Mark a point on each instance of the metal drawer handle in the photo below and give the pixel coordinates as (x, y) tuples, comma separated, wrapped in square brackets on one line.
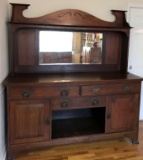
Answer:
[(127, 88), (95, 102), (96, 89), (64, 92), (64, 104), (26, 93)]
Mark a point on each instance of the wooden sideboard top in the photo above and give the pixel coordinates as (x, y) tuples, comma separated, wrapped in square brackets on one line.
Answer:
[(70, 78)]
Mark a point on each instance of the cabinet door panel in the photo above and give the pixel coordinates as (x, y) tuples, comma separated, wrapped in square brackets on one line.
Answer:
[(122, 113), (28, 121)]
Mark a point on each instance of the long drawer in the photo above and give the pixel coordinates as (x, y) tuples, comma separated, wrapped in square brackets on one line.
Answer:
[(42, 92), (91, 90), (86, 102)]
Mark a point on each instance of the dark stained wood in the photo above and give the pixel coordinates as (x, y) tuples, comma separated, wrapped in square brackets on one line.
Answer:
[(24, 41), (67, 17), (119, 109), (26, 94), (47, 106), (70, 103), (67, 79), (113, 48), (42, 91), (28, 121), (25, 52)]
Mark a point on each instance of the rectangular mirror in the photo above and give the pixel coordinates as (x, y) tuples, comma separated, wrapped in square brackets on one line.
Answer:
[(70, 47)]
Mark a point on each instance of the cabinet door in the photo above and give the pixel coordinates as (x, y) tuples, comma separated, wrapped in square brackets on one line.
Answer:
[(28, 121), (122, 113)]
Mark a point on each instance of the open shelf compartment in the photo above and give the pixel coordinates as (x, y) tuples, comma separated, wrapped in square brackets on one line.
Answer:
[(78, 122)]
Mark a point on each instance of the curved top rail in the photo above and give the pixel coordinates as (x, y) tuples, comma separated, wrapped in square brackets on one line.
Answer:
[(68, 17)]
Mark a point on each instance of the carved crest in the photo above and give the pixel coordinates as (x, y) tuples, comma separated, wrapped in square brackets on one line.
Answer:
[(68, 17)]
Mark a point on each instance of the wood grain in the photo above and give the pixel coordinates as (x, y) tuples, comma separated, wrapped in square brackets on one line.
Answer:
[(121, 149)]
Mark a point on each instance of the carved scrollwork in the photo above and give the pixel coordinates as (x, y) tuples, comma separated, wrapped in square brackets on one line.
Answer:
[(66, 14)]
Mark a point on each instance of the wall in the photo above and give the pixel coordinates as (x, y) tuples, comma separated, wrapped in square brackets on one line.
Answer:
[(135, 17), (3, 71)]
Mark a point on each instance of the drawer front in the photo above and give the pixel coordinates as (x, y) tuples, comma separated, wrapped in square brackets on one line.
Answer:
[(42, 92), (109, 89), (86, 102)]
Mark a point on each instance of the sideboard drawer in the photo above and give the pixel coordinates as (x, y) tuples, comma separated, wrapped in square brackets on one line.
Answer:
[(42, 92), (91, 90), (86, 102)]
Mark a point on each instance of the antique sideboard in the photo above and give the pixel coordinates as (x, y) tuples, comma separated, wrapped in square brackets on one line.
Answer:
[(63, 99)]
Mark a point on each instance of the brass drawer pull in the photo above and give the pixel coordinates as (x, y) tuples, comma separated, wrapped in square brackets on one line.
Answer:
[(96, 89), (26, 93), (64, 92), (127, 88), (64, 104), (95, 102)]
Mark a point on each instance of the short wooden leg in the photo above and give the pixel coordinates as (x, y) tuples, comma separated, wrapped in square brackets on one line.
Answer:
[(133, 137), (135, 141)]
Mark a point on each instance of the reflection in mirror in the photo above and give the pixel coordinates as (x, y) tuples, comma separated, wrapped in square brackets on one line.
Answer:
[(70, 47)]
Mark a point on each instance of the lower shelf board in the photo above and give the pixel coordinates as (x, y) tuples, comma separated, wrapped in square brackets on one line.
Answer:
[(62, 128)]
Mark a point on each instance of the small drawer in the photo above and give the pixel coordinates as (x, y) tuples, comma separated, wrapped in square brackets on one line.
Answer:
[(42, 92), (127, 88), (109, 89), (86, 102)]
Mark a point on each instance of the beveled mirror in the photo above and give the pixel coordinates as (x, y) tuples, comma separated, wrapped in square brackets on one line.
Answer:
[(70, 47)]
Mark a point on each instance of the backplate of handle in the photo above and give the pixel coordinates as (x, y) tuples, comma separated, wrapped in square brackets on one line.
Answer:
[(95, 102), (127, 88), (26, 93), (64, 104), (64, 92), (97, 89)]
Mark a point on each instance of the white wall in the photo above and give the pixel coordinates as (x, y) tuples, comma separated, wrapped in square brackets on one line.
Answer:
[(135, 18), (3, 71)]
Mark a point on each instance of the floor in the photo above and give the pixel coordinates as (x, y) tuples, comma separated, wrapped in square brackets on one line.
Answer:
[(121, 149)]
